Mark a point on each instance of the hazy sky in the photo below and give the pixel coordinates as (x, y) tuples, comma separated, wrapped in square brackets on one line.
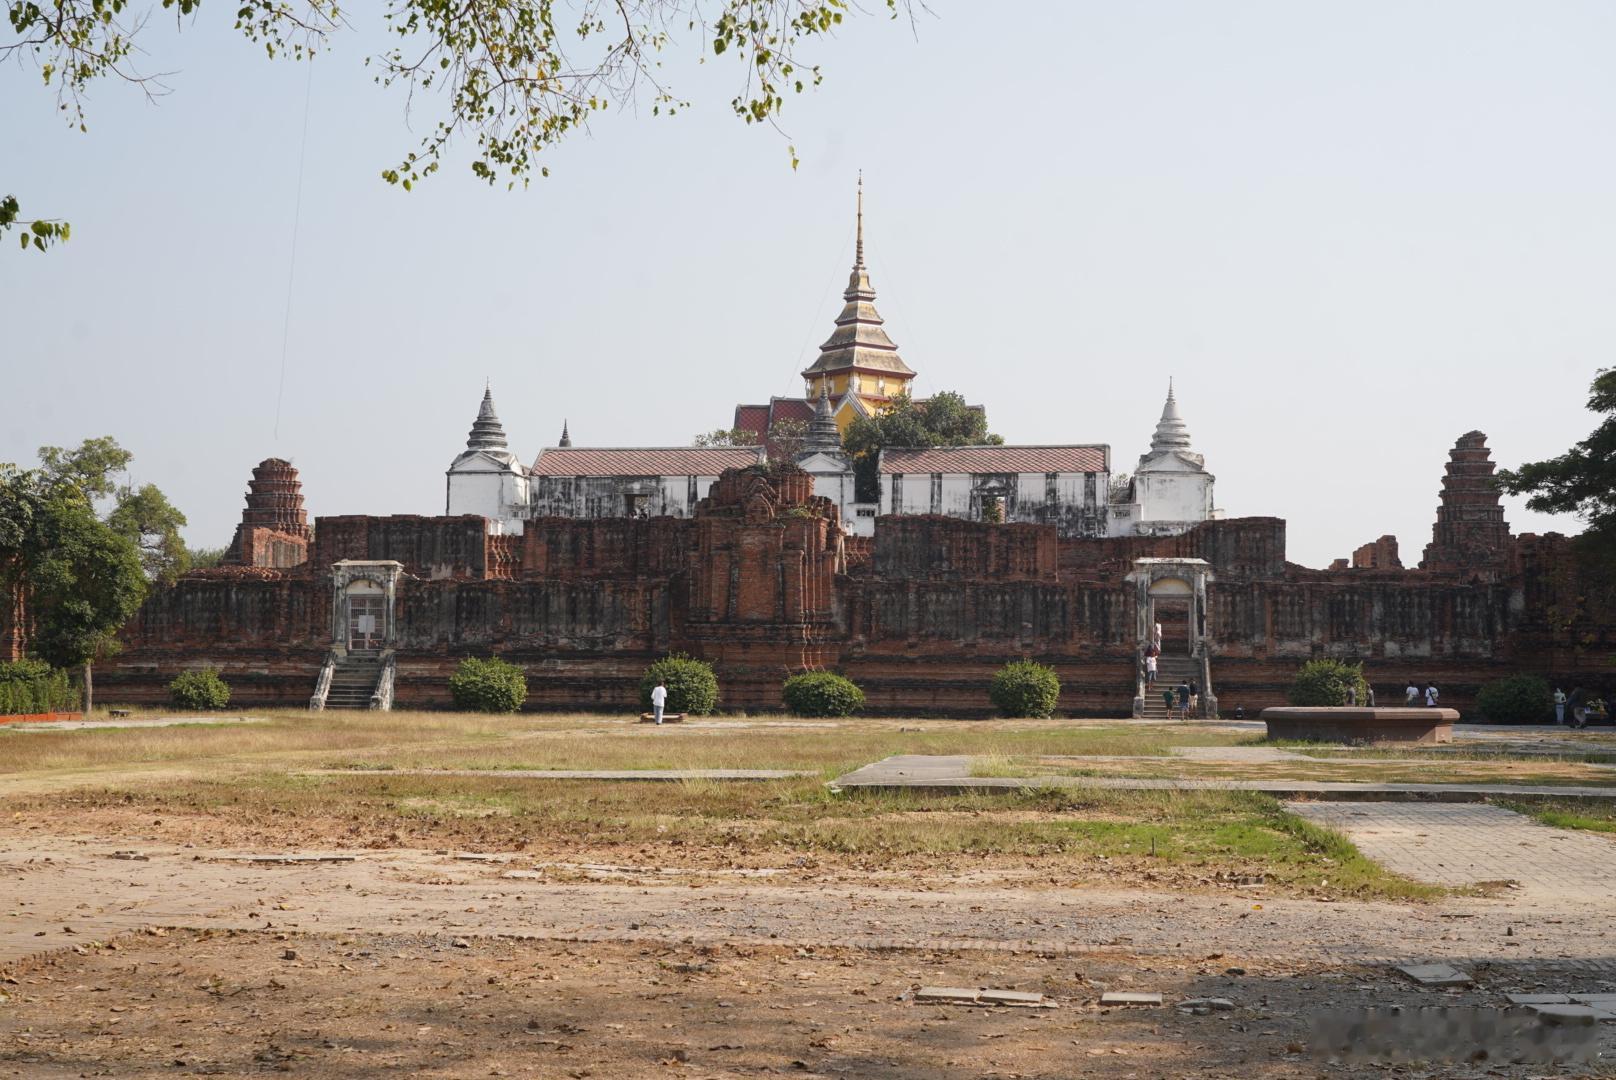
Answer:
[(1350, 232)]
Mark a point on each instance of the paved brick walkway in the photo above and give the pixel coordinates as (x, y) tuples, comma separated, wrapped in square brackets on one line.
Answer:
[(1465, 843)]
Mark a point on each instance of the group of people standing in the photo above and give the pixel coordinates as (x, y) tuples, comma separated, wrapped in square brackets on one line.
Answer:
[(1411, 695), (1183, 699)]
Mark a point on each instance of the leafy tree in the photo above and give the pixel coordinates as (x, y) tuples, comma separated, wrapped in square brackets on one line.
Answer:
[(692, 686), (514, 77), (1582, 480), (1025, 688), (199, 690), (1326, 682), (786, 438), (490, 685), (39, 233), (200, 558), (83, 581), (726, 437), (90, 468), (944, 419), (83, 577), (1519, 699), (145, 516), (822, 693)]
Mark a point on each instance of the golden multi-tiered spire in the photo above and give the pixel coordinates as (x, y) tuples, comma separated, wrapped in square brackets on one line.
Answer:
[(859, 358)]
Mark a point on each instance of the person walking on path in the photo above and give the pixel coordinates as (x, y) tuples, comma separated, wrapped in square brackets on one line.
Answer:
[(1184, 700), (1155, 636), (1559, 705), (659, 698), (1167, 696), (1195, 697), (1411, 696), (1352, 694), (1150, 670), (1431, 695), (1371, 692)]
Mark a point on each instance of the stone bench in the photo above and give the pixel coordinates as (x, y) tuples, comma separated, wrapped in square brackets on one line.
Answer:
[(1353, 724)]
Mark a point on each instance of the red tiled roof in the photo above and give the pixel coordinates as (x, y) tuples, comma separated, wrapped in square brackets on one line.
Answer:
[(785, 408), (996, 459), (752, 418), (644, 461)]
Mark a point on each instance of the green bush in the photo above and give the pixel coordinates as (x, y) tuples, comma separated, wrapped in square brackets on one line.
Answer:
[(1519, 699), (33, 686), (489, 685), (692, 686), (1025, 688), (1325, 682), (822, 693), (202, 689)]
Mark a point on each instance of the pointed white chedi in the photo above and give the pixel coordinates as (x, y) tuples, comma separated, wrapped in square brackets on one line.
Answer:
[(486, 478), (1171, 431), (1172, 489)]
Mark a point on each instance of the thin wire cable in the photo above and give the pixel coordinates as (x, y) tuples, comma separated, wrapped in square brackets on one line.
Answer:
[(819, 309), (291, 267)]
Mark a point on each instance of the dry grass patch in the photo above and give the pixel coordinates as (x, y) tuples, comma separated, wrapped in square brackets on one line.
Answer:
[(1160, 839), (405, 740)]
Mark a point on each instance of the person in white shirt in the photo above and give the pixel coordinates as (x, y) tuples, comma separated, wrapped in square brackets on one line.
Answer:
[(1430, 696), (1559, 705), (659, 698), (1150, 670), (1411, 696)]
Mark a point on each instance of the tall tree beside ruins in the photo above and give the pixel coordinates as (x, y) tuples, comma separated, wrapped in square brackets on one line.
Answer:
[(83, 575), (1582, 480), (513, 77), (941, 420)]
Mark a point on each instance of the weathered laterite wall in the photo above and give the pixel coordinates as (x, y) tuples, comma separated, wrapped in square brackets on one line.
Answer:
[(763, 583)]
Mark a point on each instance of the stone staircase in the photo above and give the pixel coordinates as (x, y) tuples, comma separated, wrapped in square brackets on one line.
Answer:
[(355, 678), (1170, 672)]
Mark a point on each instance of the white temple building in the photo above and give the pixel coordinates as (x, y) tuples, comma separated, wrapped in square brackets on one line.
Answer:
[(486, 478), (858, 373), (1070, 486), (1171, 491)]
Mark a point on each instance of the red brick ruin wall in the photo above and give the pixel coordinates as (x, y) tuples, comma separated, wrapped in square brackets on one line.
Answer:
[(762, 582), (935, 607)]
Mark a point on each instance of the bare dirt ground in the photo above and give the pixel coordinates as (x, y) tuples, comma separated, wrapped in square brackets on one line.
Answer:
[(154, 923), (410, 963), (342, 1005)]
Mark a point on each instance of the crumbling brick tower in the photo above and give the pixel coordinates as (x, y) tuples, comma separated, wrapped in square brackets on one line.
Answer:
[(761, 578), (274, 529), (1470, 535)]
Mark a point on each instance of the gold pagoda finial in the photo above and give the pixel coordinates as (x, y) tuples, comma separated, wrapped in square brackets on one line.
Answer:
[(858, 250)]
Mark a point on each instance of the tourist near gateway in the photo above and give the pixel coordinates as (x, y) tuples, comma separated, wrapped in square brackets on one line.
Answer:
[(590, 562)]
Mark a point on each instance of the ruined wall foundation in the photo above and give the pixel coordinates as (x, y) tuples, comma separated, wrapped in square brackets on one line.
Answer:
[(763, 582)]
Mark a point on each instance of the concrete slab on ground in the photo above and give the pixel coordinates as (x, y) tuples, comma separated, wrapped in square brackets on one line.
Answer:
[(1447, 844), (950, 774)]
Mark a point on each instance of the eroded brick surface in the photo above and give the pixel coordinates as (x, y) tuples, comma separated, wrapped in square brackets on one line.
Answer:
[(763, 582)]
